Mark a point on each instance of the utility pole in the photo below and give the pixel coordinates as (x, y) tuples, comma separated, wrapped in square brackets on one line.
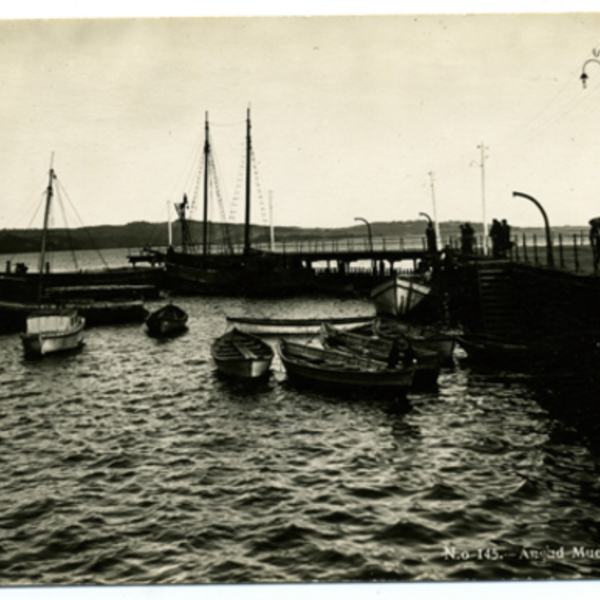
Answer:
[(271, 225), (438, 239), (482, 165)]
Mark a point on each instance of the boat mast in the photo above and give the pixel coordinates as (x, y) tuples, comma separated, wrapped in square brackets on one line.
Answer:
[(169, 227), (49, 193), (206, 161), (248, 160)]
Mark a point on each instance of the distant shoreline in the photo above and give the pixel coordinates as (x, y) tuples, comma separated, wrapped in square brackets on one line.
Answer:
[(142, 234)]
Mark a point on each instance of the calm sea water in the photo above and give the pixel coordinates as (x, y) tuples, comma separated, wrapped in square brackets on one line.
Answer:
[(134, 462)]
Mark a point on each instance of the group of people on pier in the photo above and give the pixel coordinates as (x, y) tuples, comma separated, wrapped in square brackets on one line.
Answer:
[(500, 236)]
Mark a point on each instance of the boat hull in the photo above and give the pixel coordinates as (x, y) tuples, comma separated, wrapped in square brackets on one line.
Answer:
[(522, 355), (166, 328), (238, 276), (43, 343), (422, 339), (398, 296), (293, 326), (168, 320), (339, 370), (427, 365), (242, 355), (244, 369)]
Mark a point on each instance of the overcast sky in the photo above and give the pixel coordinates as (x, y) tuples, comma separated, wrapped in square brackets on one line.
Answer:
[(350, 115)]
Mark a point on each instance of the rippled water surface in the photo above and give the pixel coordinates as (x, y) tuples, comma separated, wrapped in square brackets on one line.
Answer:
[(132, 461)]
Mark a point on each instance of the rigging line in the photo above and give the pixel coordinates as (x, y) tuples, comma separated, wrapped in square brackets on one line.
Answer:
[(536, 115), (261, 199), (41, 202), (238, 188), (218, 177), (559, 117), (198, 180), (31, 203), (189, 166), (216, 187), (86, 229), (67, 230)]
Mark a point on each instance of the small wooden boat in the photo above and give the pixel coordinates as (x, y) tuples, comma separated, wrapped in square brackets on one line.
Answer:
[(337, 369), (52, 330), (515, 353), (168, 320), (398, 296), (240, 354), (293, 326), (427, 365), (421, 337)]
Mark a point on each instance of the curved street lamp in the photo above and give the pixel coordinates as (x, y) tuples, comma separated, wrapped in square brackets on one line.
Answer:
[(422, 214), (549, 251), (584, 76), (368, 231), (370, 240)]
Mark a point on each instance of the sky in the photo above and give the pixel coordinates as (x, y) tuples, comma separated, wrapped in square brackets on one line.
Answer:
[(378, 116)]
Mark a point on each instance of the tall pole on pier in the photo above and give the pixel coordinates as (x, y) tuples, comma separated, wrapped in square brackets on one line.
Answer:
[(206, 165), (248, 164), (169, 225), (435, 219), (482, 165), (49, 194), (271, 226)]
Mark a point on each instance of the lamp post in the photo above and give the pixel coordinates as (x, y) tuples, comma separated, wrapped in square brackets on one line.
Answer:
[(549, 251), (370, 240), (584, 76), (430, 234)]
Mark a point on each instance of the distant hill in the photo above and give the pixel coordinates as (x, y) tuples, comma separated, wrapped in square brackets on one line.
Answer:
[(140, 234)]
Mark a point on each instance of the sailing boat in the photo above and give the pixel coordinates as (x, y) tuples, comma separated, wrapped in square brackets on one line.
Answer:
[(49, 329), (253, 272)]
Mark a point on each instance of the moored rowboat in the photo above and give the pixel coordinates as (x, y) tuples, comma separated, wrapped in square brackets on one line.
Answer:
[(168, 320), (427, 365), (240, 354), (420, 337), (398, 296), (342, 370), (293, 326)]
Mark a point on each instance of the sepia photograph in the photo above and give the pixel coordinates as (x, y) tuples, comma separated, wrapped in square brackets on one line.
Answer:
[(297, 299)]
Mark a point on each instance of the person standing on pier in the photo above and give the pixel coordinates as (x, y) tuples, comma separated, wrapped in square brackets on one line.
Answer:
[(467, 234), (430, 238), (496, 236), (506, 244), (595, 242)]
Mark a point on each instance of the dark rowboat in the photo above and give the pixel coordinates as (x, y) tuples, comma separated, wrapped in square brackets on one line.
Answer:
[(240, 354), (421, 337), (427, 366), (328, 368), (168, 320), (526, 355), (293, 326)]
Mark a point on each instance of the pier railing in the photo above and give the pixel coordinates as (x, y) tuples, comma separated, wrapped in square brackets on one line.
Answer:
[(570, 252)]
